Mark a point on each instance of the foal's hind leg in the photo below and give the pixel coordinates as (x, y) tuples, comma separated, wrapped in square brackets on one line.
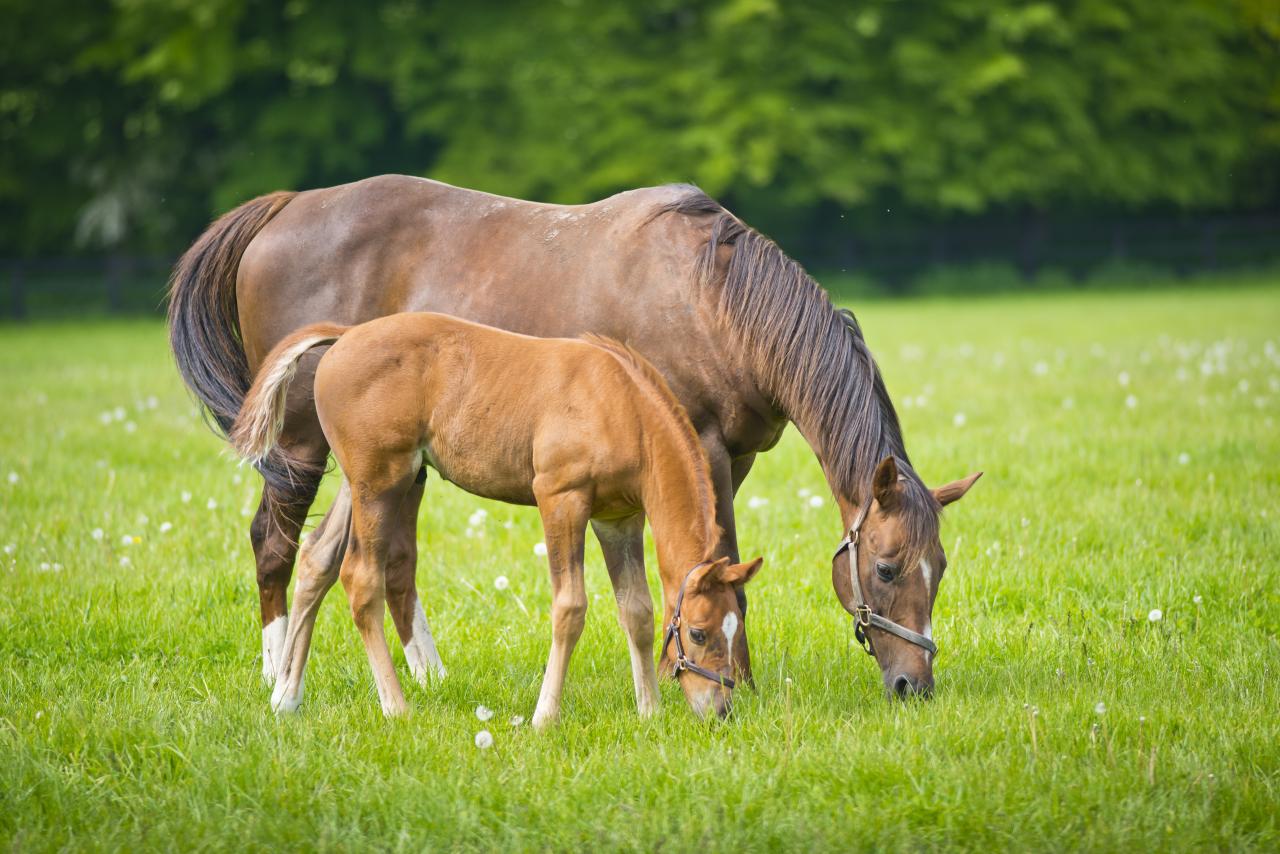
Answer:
[(377, 511), (564, 524), (402, 591), (318, 563), (623, 545)]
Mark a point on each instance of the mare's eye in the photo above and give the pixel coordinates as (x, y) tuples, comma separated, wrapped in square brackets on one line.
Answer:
[(698, 636), (886, 571)]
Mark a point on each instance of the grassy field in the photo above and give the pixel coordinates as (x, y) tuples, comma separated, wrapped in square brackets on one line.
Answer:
[(1108, 629)]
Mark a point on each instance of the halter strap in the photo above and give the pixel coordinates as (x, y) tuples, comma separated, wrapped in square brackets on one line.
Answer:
[(863, 616), (673, 634)]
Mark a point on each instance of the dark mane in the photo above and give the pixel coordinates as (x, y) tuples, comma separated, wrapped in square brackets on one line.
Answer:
[(651, 382), (809, 358)]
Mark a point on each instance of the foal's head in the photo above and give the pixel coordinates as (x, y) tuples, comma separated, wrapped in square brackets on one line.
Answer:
[(711, 635), (900, 565)]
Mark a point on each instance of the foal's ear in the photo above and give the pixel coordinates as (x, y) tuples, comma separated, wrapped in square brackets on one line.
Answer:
[(955, 490), (740, 573), (884, 483)]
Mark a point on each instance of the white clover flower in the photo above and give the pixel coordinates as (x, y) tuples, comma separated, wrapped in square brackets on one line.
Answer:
[(477, 518), (126, 540), (484, 739), (186, 497), (804, 492), (130, 427), (921, 401), (97, 534), (119, 413), (10, 548), (13, 477), (1131, 402), (104, 417), (152, 402), (517, 720), (483, 713), (44, 566), (501, 582), (815, 501), (1155, 615), (755, 502), (166, 527), (1123, 378), (959, 419), (1041, 368), (540, 549), (1184, 458), (124, 560), (1101, 708), (211, 504)]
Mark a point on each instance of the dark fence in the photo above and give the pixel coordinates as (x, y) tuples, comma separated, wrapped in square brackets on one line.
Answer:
[(899, 256)]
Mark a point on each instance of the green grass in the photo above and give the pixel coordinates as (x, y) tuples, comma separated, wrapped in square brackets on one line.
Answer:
[(132, 713)]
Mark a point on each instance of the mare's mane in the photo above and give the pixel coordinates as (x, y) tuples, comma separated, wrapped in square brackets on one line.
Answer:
[(809, 358)]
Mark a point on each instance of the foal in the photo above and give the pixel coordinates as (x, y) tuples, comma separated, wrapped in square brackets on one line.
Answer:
[(585, 429)]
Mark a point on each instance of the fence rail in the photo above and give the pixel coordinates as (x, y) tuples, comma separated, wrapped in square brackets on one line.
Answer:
[(891, 254)]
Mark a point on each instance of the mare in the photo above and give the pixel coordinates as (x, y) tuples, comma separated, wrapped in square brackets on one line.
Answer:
[(585, 429), (746, 339)]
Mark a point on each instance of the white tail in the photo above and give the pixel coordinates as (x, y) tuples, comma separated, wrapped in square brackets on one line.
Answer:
[(257, 427)]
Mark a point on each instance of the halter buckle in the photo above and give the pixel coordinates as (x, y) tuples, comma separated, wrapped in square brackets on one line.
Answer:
[(862, 615)]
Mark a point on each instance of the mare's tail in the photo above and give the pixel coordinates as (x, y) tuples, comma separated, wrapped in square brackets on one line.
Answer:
[(204, 328), (257, 426)]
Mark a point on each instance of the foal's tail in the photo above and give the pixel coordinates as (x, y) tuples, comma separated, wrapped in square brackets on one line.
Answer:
[(257, 426)]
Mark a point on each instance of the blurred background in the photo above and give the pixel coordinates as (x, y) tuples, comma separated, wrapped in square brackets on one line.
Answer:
[(957, 146)]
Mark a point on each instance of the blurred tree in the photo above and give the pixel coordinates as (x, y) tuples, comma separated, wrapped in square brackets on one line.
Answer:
[(130, 124)]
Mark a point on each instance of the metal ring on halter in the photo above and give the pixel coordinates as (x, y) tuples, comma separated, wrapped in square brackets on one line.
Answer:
[(863, 616), (673, 634)]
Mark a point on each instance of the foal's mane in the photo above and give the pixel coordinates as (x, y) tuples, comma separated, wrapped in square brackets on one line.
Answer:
[(811, 359), (652, 384)]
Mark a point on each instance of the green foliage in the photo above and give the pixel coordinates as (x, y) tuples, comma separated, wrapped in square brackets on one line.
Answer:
[(132, 715), (129, 124)]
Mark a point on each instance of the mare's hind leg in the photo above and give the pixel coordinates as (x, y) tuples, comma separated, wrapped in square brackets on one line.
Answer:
[(377, 513), (564, 524), (318, 563), (402, 591), (282, 510), (622, 542)]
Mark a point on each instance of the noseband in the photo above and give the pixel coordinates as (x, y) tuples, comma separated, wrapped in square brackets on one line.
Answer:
[(673, 634), (863, 616)]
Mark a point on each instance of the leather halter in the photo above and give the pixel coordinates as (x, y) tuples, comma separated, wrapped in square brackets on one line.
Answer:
[(673, 633), (863, 616)]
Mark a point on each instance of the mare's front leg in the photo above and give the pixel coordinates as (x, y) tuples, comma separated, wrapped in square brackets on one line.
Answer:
[(402, 591), (622, 542), (377, 512), (318, 563), (564, 524)]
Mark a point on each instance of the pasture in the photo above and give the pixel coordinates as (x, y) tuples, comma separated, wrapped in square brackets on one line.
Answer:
[(1108, 626)]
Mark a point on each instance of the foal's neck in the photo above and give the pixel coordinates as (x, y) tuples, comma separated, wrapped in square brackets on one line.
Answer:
[(679, 501)]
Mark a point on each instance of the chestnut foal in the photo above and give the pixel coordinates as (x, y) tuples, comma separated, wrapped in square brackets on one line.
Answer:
[(585, 429)]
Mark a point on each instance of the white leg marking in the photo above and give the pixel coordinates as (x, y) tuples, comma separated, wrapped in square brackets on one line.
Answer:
[(730, 628), (420, 651), (273, 635)]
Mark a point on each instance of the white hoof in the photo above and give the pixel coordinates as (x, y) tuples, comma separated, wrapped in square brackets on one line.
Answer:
[(282, 702)]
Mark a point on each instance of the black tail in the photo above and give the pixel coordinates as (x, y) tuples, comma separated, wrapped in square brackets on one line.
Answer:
[(204, 326)]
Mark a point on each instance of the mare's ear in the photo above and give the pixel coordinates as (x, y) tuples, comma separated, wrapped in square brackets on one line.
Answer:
[(740, 573), (955, 490), (884, 483)]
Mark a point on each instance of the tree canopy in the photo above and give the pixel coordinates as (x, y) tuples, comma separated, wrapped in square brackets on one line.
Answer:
[(131, 123)]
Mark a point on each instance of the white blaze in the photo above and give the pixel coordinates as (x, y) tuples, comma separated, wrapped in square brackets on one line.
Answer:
[(730, 628)]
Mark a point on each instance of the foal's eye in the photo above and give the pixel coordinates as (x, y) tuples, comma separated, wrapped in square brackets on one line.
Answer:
[(698, 636), (886, 571)]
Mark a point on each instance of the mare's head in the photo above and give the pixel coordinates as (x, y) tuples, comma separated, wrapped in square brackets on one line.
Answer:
[(710, 635), (900, 564)]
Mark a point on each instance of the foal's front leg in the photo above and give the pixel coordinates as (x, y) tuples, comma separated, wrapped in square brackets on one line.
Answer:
[(623, 545), (564, 524)]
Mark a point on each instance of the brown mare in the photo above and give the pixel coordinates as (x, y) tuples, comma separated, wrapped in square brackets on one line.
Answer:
[(586, 430), (746, 339)]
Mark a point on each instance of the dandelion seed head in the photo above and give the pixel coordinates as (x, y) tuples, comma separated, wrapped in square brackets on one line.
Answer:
[(186, 497), (815, 501), (1184, 458), (484, 739), (1155, 615), (1197, 599), (124, 560), (97, 534), (211, 504), (1131, 402), (501, 582), (483, 713), (755, 502), (540, 549), (517, 720), (1123, 378), (166, 527), (13, 477), (1100, 709), (959, 419)]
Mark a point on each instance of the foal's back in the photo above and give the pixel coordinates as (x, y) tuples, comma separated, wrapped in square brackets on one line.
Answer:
[(491, 410)]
